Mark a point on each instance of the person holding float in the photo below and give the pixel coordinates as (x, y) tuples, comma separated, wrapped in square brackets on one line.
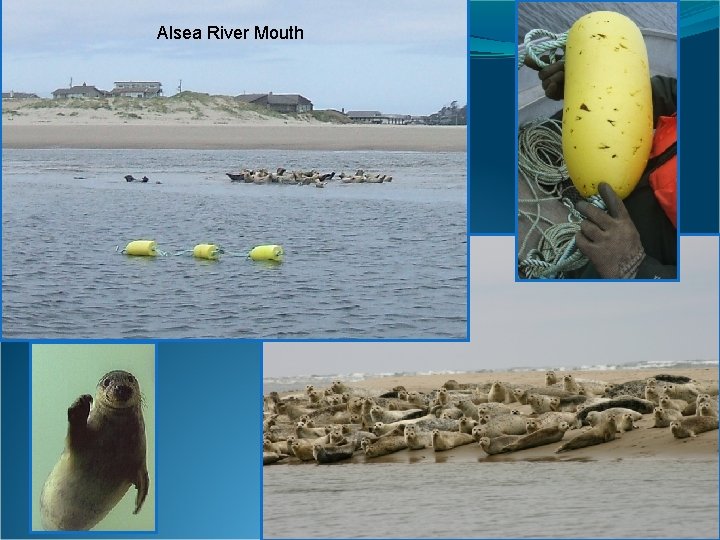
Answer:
[(611, 106)]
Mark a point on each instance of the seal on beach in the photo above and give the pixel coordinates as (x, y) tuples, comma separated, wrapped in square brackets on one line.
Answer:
[(642, 406), (272, 457), (104, 455), (333, 453), (383, 446), (412, 438), (692, 425), (496, 445), (596, 435), (663, 417), (540, 437), (447, 440)]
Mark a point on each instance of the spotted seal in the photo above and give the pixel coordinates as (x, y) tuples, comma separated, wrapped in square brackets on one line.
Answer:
[(104, 455)]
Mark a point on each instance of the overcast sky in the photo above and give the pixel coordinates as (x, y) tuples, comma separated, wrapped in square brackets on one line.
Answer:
[(404, 56), (544, 324)]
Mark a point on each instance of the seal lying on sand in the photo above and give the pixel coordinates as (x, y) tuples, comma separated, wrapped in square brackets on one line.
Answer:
[(540, 437), (692, 425), (597, 435), (104, 455)]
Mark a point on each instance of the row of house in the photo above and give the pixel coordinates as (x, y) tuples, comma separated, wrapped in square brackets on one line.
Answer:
[(141, 89), (282, 103)]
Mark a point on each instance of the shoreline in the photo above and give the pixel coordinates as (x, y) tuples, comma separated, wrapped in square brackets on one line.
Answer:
[(645, 442), (236, 137)]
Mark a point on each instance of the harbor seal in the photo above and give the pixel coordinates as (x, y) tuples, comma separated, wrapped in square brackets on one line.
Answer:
[(596, 435), (333, 453), (104, 455), (383, 446), (663, 417), (692, 425), (550, 378), (540, 437), (496, 445), (412, 438), (447, 440)]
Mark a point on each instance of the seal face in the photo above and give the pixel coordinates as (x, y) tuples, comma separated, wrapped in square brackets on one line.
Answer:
[(104, 455)]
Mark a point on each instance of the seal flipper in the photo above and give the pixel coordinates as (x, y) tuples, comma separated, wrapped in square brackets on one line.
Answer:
[(142, 483), (78, 413)]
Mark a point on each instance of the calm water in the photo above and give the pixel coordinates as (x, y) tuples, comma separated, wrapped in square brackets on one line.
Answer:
[(362, 260), (619, 499)]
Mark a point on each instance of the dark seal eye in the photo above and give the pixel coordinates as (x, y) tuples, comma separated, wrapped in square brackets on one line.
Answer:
[(106, 383), (131, 378)]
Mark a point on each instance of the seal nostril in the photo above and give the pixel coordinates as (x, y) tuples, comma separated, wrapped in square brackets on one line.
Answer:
[(123, 392)]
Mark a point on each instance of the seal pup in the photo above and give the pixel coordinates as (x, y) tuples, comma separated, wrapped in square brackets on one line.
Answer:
[(692, 425), (540, 437), (447, 440), (104, 455), (550, 378), (597, 435)]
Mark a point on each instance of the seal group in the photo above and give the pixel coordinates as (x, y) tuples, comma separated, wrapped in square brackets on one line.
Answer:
[(339, 423)]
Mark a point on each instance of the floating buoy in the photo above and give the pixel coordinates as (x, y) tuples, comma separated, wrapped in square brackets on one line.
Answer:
[(271, 252), (141, 248), (607, 117), (206, 251)]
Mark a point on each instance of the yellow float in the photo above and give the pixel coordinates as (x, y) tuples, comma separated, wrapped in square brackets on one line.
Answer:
[(607, 118), (206, 251), (271, 252), (141, 248)]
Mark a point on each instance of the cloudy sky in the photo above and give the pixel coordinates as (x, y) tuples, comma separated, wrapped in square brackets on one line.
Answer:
[(544, 324), (404, 56)]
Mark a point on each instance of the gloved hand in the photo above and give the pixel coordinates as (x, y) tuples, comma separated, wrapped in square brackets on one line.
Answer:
[(552, 77), (610, 241)]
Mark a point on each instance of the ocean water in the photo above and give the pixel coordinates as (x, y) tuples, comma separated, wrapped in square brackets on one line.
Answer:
[(362, 260), (595, 499)]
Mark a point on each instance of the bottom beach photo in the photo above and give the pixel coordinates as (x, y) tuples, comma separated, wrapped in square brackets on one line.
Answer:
[(585, 425)]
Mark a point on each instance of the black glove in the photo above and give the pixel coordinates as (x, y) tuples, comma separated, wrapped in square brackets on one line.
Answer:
[(610, 241), (552, 77)]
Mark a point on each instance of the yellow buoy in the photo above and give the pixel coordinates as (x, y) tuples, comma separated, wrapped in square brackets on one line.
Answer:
[(206, 251), (271, 252), (607, 117), (142, 248)]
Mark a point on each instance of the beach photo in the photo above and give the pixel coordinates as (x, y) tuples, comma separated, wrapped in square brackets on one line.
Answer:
[(597, 140), (233, 171), (93, 437), (589, 414)]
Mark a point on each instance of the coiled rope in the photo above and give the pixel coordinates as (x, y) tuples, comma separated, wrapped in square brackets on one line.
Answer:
[(550, 46), (542, 166)]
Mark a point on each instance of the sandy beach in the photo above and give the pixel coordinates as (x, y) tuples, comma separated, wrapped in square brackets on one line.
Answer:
[(251, 136), (645, 442), (209, 123)]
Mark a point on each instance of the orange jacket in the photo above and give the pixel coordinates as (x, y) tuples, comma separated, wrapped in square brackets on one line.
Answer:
[(663, 176)]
